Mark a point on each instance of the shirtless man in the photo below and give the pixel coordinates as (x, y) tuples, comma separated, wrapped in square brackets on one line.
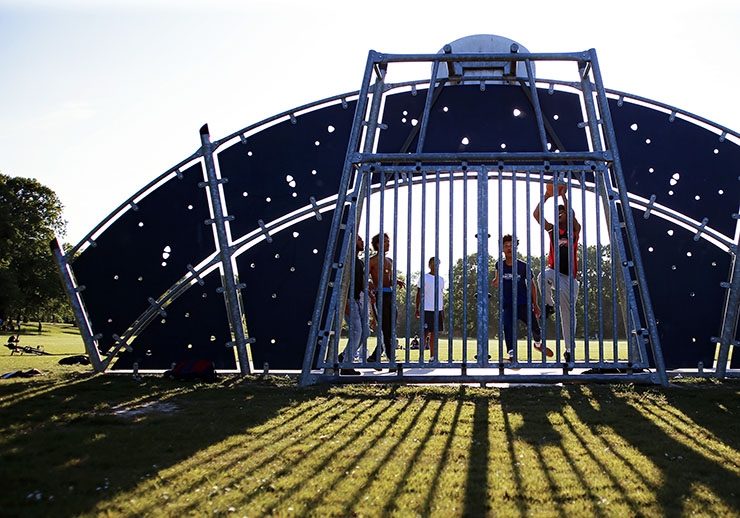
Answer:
[(381, 282)]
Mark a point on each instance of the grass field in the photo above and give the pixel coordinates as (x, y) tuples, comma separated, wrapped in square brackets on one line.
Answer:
[(73, 443)]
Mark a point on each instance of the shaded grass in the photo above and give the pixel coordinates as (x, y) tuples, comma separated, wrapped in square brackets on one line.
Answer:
[(95, 445), (77, 444)]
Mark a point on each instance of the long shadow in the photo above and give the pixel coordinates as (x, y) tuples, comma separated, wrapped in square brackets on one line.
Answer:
[(654, 446), (476, 487), (69, 432)]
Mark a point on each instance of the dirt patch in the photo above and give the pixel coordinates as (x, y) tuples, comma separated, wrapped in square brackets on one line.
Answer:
[(151, 407)]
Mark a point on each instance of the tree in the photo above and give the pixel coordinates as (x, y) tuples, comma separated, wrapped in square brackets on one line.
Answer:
[(30, 217)]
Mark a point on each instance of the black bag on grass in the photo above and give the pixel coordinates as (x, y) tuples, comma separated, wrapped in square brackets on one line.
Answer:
[(204, 370)]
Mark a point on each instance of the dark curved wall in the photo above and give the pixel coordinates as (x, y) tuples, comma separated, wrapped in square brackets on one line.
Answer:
[(281, 167)]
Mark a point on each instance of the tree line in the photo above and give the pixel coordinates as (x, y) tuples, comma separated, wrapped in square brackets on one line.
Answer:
[(30, 286)]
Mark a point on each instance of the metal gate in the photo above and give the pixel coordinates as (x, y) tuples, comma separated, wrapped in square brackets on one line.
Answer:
[(446, 194)]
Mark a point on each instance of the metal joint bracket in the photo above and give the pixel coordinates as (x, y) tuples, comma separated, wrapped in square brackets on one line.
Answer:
[(80, 288), (266, 232), (650, 206), (134, 206), (699, 232), (315, 208), (156, 305), (672, 117), (723, 136), (726, 285), (122, 342), (293, 120), (243, 138), (179, 174), (195, 274), (218, 182)]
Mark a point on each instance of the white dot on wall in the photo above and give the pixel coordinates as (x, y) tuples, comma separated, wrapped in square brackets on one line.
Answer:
[(296, 234), (688, 254), (517, 112), (315, 251), (692, 294), (295, 195), (245, 194), (647, 141), (317, 143), (697, 197), (721, 192), (330, 129), (190, 207), (272, 341), (141, 224), (651, 170), (403, 120), (634, 127), (673, 267), (670, 232), (164, 263), (556, 117), (716, 151), (503, 146), (277, 256), (405, 112), (414, 122), (115, 277), (465, 141), (190, 346), (274, 295), (313, 171), (268, 199), (670, 193), (650, 249), (140, 279), (213, 338), (445, 109), (675, 177)]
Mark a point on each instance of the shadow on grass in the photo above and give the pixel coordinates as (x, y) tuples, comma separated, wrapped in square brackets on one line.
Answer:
[(67, 446), (102, 445), (625, 450)]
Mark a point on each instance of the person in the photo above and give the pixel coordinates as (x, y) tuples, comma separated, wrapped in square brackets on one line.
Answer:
[(355, 313), (433, 285), (381, 282), (525, 288), (562, 276)]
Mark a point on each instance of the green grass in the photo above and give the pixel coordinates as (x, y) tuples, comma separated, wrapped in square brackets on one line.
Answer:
[(73, 443)]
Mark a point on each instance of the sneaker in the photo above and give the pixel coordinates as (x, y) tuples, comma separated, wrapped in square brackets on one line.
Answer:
[(511, 356), (349, 372), (538, 346), (566, 356), (432, 359), (549, 311)]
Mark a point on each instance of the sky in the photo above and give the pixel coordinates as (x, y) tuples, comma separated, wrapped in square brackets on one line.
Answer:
[(97, 98)]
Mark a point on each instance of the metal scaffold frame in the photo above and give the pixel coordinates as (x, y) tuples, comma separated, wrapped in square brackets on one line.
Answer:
[(373, 182)]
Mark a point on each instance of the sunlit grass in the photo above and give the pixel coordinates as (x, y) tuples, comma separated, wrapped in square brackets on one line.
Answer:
[(97, 445), (77, 444)]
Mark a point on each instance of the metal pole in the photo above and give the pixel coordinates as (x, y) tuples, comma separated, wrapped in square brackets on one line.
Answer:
[(230, 286), (83, 324)]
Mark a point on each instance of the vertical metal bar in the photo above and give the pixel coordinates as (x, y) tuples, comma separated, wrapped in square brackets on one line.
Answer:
[(83, 323), (631, 232), (729, 325), (352, 146), (482, 260), (231, 293), (536, 103)]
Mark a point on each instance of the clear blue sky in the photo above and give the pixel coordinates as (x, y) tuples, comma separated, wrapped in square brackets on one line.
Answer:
[(99, 97)]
